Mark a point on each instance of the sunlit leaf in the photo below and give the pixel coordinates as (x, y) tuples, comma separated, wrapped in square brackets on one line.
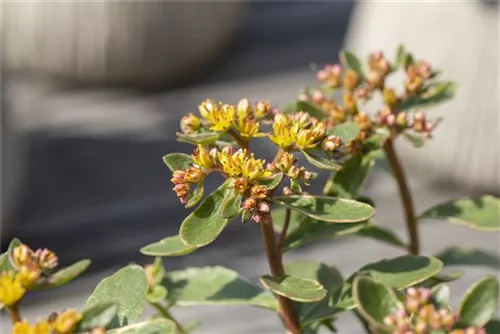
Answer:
[(63, 276), (170, 246), (175, 161), (480, 213), (294, 288), (329, 209), (206, 222), (127, 288), (375, 300), (480, 302), (461, 256), (349, 181), (214, 286), (321, 162)]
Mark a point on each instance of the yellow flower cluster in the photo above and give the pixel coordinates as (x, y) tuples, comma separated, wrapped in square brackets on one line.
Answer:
[(299, 131), (242, 164), (65, 323), (30, 266), (223, 117), (11, 289)]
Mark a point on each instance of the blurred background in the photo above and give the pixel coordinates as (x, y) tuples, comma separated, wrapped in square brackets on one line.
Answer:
[(92, 93)]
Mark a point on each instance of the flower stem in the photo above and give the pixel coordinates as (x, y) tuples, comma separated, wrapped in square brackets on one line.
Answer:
[(406, 198), (166, 314), (14, 313), (242, 142), (287, 312), (284, 231)]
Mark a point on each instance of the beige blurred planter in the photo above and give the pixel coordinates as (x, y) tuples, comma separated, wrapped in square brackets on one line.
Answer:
[(461, 38), (127, 43)]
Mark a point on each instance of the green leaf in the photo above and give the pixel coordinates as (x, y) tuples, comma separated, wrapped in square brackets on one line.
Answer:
[(376, 141), (414, 139), (198, 138), (155, 326), (6, 263), (480, 302), (493, 326), (311, 109), (329, 209), (349, 181), (127, 288), (329, 277), (311, 230), (99, 315), (170, 246), (299, 289), (440, 295), (399, 273), (321, 162), (442, 277), (214, 286), (175, 161), (196, 196), (63, 276), (480, 213), (408, 60), (400, 57), (157, 294), (439, 93), (232, 203), (273, 181), (346, 131), (462, 256), (375, 300), (381, 234), (349, 60), (206, 222)]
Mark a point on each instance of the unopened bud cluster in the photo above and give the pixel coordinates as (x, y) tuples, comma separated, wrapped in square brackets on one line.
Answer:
[(358, 88), (420, 316), (30, 267)]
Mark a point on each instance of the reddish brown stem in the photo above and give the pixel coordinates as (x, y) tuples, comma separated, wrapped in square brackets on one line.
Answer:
[(14, 313), (284, 230), (406, 198), (287, 312)]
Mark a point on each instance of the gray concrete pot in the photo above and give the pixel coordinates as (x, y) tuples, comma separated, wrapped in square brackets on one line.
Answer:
[(13, 170), (461, 39), (110, 42)]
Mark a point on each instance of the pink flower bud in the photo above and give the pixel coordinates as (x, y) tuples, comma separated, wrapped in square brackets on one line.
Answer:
[(391, 119), (256, 218), (263, 207)]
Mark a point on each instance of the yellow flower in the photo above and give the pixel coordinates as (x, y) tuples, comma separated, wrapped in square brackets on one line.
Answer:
[(284, 134), (243, 109), (221, 116), (22, 254), (202, 157), (363, 120), (23, 327), (11, 289), (306, 139), (190, 123), (248, 128), (244, 165), (67, 321), (285, 162), (262, 109), (28, 274)]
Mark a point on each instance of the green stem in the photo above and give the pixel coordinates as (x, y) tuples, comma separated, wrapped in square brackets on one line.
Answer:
[(166, 314), (287, 311), (14, 314), (406, 198)]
